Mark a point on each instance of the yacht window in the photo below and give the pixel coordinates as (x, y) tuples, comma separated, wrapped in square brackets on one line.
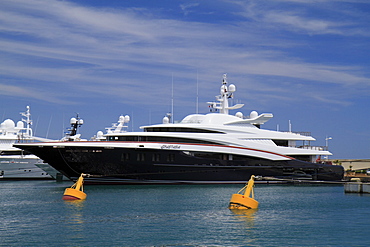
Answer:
[(208, 155), (140, 157), (283, 143), (179, 129), (241, 157), (156, 157), (307, 158), (159, 139), (125, 156), (171, 157)]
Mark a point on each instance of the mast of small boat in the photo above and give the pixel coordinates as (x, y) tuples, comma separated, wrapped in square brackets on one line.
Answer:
[(28, 122)]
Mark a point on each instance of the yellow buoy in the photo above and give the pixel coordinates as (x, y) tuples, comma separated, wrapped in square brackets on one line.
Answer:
[(243, 199), (76, 191)]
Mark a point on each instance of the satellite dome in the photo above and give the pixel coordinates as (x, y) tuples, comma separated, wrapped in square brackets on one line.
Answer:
[(165, 120), (253, 114), (73, 120), (20, 125), (8, 124), (239, 114), (127, 118), (99, 134), (232, 88)]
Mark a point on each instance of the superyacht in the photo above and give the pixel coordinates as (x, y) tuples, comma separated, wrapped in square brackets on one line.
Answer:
[(208, 148)]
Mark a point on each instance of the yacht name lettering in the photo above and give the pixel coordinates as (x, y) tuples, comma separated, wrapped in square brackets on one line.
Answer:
[(170, 147)]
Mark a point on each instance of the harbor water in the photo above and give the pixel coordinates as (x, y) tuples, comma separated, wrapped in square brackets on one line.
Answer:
[(34, 214)]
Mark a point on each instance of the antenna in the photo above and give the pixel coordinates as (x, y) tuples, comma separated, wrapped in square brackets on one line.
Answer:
[(172, 101), (197, 105), (47, 132), (37, 123), (150, 116), (63, 127)]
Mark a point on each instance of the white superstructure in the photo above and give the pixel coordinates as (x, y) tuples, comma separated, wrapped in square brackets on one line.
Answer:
[(14, 162), (239, 131)]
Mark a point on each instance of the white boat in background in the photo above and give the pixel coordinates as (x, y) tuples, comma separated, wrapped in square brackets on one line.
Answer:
[(14, 162)]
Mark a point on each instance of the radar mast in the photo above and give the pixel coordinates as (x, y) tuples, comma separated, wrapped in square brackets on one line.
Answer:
[(226, 93)]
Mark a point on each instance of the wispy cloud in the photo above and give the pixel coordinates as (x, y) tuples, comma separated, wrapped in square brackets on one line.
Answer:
[(186, 8), (311, 17), (292, 20), (31, 93), (103, 51)]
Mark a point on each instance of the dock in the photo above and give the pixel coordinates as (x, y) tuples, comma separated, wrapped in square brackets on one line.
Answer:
[(356, 186)]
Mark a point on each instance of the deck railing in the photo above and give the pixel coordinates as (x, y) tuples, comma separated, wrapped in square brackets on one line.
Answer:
[(320, 148)]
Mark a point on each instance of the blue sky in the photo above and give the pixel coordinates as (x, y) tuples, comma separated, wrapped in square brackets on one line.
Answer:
[(303, 61)]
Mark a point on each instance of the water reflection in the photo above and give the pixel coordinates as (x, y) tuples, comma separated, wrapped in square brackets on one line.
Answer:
[(245, 215), (74, 218), (75, 203), (246, 226)]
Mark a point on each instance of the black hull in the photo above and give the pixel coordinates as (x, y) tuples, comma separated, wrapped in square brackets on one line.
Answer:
[(145, 166), (25, 179)]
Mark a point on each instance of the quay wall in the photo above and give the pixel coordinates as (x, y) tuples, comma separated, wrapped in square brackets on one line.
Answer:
[(353, 164), (357, 187)]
